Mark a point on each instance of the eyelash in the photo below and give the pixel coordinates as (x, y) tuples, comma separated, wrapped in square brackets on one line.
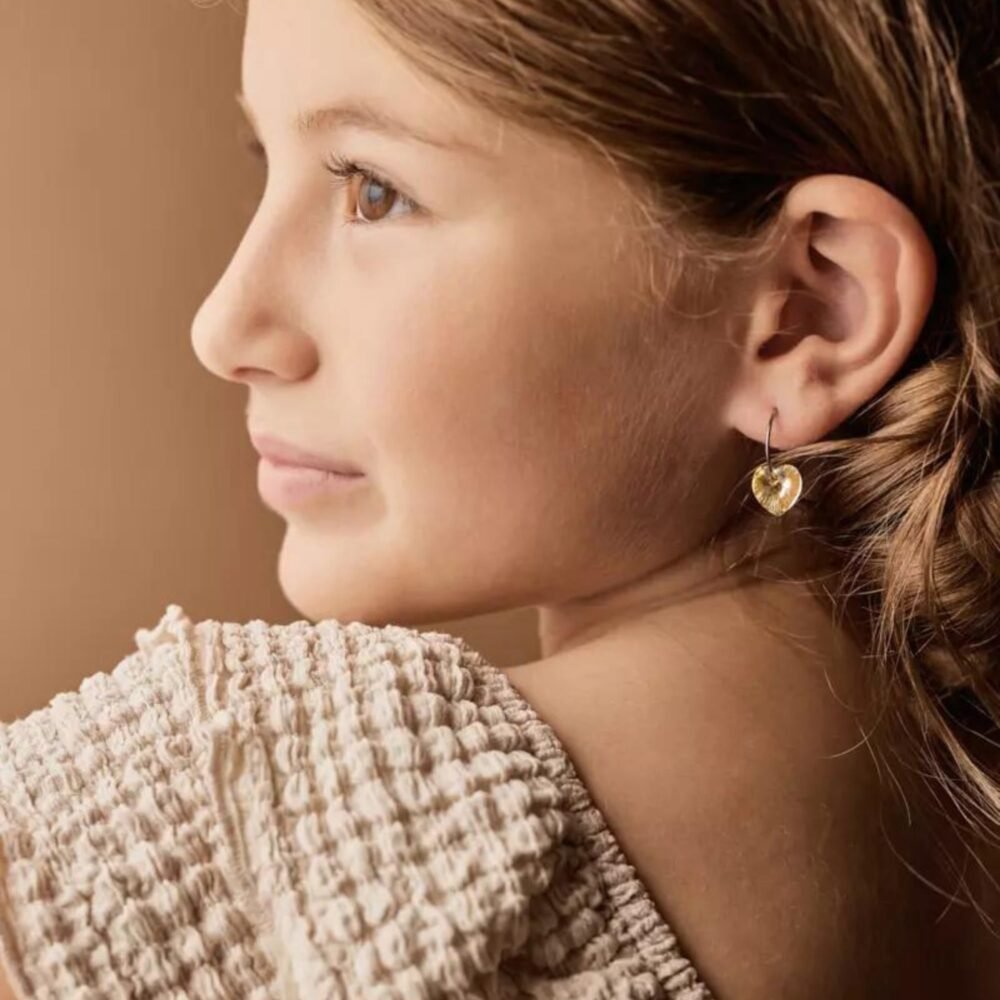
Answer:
[(345, 170)]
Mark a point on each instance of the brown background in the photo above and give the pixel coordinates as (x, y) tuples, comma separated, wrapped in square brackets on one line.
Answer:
[(128, 479)]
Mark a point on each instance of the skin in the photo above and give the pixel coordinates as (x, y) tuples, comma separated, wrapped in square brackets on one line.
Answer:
[(534, 433), (490, 360)]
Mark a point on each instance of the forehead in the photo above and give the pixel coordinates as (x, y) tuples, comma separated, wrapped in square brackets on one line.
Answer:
[(307, 54)]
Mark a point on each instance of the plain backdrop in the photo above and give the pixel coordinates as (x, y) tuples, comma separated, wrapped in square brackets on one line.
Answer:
[(128, 479)]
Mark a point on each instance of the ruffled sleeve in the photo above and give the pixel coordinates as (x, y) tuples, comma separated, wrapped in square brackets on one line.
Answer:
[(272, 811), (390, 832), (113, 868)]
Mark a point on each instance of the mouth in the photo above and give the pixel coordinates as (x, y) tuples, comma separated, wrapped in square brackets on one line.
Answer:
[(282, 454), (286, 485)]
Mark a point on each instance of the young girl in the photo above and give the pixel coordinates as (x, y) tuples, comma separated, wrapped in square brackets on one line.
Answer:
[(676, 320)]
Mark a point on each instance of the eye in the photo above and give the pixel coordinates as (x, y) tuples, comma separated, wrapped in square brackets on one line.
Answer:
[(382, 196)]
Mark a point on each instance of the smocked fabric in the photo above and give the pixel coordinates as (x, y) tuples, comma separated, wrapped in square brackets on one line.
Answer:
[(310, 811)]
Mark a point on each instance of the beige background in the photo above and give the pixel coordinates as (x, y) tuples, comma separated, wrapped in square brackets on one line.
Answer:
[(129, 481)]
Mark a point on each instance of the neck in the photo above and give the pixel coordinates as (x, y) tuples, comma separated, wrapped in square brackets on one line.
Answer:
[(767, 557)]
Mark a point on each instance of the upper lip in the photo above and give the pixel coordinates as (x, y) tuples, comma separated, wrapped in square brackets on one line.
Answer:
[(282, 453)]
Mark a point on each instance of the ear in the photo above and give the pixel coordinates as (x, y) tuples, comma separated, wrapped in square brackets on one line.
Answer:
[(836, 312)]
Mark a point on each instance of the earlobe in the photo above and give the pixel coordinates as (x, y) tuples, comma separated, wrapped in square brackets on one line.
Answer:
[(840, 308)]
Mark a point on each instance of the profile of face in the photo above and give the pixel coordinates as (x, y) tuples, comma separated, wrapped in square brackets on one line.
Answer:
[(467, 330)]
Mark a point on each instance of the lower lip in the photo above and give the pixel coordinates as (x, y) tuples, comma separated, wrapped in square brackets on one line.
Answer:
[(289, 485)]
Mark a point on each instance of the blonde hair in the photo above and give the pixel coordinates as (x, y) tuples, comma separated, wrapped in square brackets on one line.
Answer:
[(715, 110)]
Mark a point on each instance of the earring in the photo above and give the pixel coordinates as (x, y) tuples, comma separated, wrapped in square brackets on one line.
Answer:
[(777, 488)]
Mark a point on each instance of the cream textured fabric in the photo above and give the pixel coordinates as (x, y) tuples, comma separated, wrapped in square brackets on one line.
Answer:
[(310, 811)]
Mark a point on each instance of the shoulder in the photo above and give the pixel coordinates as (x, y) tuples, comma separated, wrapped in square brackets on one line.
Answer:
[(758, 809), (321, 805), (388, 820), (377, 804)]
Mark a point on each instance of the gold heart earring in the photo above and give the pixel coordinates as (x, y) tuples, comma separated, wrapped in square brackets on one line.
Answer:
[(777, 488)]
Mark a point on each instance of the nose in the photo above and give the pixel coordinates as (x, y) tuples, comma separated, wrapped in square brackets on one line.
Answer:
[(244, 326)]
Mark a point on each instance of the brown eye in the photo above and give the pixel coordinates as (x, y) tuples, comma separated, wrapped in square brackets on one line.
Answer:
[(377, 196), (378, 202)]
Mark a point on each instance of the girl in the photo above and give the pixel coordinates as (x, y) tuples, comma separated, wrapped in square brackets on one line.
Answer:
[(676, 320)]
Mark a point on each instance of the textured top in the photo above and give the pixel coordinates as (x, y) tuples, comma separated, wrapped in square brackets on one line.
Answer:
[(311, 811)]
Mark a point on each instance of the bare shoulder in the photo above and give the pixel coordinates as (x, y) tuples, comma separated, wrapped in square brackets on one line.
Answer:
[(764, 823)]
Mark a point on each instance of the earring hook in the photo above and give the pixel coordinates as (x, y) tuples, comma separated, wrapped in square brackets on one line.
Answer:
[(767, 440)]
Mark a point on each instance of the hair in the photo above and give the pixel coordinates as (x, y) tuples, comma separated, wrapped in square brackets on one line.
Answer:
[(715, 110)]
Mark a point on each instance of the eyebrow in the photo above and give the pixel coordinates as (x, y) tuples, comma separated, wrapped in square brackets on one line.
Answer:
[(361, 114)]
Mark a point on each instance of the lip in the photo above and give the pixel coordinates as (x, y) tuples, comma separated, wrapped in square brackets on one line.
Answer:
[(289, 486), (281, 453)]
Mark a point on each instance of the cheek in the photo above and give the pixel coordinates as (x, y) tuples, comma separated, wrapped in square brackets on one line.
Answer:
[(513, 411), (485, 341), (499, 379), (490, 378)]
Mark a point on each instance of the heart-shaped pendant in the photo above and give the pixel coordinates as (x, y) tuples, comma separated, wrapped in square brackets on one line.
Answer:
[(776, 489)]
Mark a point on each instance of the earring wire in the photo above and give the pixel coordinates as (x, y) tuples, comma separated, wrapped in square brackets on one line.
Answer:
[(767, 440)]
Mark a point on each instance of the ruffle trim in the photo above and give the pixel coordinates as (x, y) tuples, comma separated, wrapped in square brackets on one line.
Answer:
[(635, 918)]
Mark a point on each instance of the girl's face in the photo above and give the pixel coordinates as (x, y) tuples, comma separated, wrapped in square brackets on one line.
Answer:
[(469, 330)]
